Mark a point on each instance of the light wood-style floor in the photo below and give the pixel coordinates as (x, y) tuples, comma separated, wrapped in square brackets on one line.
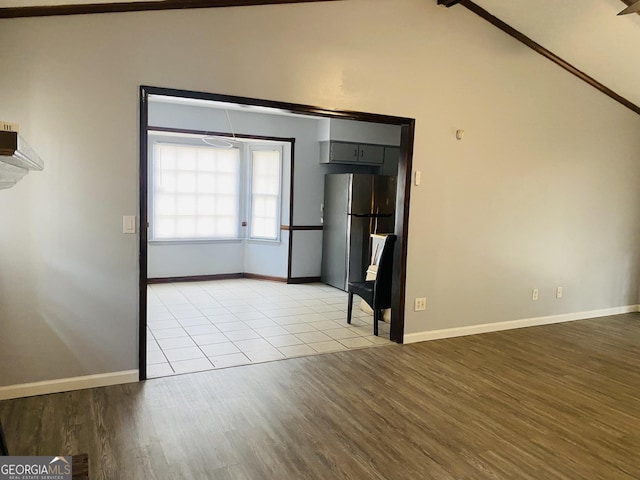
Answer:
[(553, 402)]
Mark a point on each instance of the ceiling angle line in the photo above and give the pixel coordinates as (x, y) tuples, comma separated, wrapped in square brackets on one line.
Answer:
[(508, 29), (632, 8), (44, 10)]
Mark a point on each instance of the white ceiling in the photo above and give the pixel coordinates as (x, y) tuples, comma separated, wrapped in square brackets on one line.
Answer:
[(586, 33)]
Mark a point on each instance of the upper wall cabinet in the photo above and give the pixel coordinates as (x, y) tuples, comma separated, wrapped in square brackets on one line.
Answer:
[(351, 153), (351, 142)]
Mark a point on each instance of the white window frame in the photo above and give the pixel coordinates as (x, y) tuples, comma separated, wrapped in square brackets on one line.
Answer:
[(157, 138), (252, 147)]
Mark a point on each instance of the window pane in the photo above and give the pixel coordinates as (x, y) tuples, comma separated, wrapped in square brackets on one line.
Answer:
[(226, 183), (186, 205), (265, 193), (192, 187), (186, 182), (206, 183), (167, 158), (206, 205), (206, 226), (226, 227), (225, 205), (271, 207), (165, 227), (186, 227), (166, 181), (258, 227), (227, 161), (206, 161), (186, 160), (165, 204)]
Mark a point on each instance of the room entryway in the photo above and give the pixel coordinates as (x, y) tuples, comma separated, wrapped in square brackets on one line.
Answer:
[(197, 326), (227, 212)]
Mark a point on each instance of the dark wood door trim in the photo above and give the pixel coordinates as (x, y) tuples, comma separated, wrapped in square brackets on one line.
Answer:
[(220, 134), (144, 222), (508, 29), (139, 6), (402, 197)]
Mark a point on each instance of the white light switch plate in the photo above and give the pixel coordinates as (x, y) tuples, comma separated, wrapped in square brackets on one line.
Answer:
[(129, 224)]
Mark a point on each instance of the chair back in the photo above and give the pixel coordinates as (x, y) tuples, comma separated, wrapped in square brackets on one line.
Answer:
[(382, 285)]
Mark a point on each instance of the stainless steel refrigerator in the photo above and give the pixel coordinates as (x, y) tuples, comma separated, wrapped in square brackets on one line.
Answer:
[(355, 206)]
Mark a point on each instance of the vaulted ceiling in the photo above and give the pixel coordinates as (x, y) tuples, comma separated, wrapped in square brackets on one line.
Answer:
[(587, 34)]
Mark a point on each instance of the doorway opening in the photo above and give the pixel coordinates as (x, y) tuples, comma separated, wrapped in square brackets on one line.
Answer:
[(227, 121)]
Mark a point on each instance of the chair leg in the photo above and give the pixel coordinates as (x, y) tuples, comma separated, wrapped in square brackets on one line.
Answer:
[(349, 307), (376, 319)]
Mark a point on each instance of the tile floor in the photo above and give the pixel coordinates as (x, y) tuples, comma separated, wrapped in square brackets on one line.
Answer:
[(199, 326)]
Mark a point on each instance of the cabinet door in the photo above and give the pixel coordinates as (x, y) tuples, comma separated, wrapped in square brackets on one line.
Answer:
[(344, 152), (371, 154)]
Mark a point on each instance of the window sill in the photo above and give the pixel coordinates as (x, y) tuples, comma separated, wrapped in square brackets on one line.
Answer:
[(205, 241), (261, 241)]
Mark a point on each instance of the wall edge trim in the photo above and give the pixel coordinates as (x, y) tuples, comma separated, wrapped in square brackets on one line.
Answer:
[(513, 324), (67, 384)]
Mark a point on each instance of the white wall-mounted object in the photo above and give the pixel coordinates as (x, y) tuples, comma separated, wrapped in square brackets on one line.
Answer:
[(459, 134), (16, 157), (129, 224), (9, 126)]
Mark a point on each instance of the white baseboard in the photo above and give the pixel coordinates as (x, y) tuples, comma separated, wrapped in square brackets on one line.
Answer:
[(68, 384), (511, 324)]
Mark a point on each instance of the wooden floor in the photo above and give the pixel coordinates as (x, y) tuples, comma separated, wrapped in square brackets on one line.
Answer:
[(552, 402)]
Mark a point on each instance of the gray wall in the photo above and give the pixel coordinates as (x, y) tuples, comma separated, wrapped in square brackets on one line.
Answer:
[(271, 259), (181, 259), (541, 192)]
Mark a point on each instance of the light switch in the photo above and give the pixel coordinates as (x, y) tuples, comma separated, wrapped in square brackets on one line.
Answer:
[(129, 224), (418, 178)]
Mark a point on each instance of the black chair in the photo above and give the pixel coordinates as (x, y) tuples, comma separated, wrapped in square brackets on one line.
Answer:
[(377, 293)]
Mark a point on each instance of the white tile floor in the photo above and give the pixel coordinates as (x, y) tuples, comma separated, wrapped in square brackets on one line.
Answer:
[(199, 326)]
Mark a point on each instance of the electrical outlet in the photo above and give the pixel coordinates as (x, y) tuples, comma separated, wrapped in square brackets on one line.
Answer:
[(421, 304), (534, 294), (559, 292)]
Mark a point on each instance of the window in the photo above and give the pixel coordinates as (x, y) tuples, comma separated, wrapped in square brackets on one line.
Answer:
[(195, 192), (199, 192), (266, 171)]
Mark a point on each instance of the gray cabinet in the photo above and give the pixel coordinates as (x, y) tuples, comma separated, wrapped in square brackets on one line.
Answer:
[(351, 153)]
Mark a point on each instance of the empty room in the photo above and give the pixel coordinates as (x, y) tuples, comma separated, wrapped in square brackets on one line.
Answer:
[(507, 301)]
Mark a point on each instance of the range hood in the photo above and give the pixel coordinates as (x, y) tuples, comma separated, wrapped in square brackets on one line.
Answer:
[(16, 159)]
